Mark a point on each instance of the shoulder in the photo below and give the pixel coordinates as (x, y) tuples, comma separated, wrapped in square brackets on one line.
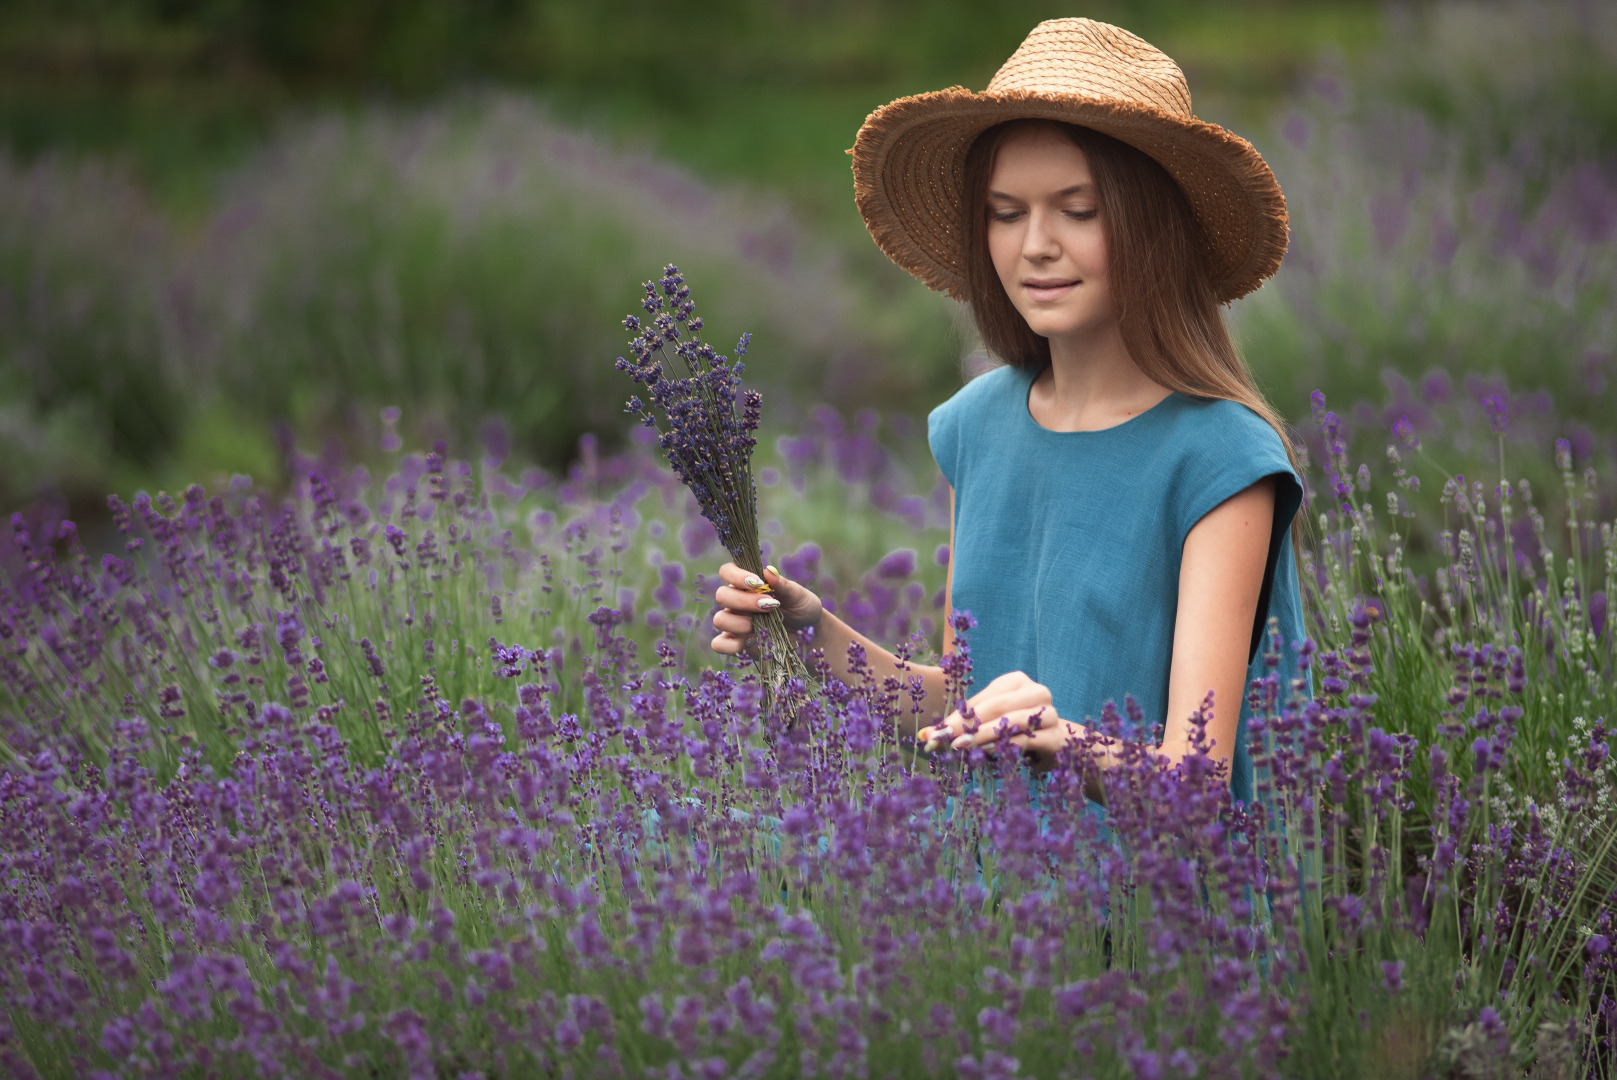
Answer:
[(1216, 429), (996, 388), (989, 397), (1219, 448)]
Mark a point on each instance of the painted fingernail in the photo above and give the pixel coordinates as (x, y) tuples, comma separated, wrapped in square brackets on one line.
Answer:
[(768, 603), (777, 573), (935, 743), (962, 742)]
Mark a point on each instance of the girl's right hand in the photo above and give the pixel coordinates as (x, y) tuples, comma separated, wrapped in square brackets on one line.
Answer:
[(740, 598)]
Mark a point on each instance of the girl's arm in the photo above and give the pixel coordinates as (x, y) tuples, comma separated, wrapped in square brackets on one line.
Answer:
[(739, 598), (1220, 581)]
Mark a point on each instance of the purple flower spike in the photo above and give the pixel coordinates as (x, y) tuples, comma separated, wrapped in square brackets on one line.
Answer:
[(1498, 413), (706, 423)]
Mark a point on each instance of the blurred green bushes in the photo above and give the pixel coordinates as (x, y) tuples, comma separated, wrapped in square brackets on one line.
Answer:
[(462, 261), (765, 90), (661, 50)]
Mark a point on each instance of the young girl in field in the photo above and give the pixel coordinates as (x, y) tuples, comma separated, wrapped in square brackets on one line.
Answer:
[(1122, 494)]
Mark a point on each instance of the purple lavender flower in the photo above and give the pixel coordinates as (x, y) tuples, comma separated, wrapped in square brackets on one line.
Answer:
[(707, 442), (1498, 413)]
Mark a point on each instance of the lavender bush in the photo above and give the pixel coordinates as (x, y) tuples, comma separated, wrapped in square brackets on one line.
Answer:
[(425, 776)]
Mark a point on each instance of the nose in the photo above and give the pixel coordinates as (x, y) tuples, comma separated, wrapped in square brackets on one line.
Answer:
[(1039, 243)]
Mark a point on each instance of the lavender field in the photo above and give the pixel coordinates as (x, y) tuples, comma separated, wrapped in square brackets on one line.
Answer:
[(349, 757)]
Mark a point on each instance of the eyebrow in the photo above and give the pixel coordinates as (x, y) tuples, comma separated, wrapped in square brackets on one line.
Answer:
[(1073, 190)]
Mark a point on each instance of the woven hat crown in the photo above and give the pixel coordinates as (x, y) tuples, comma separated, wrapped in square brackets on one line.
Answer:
[(1097, 60)]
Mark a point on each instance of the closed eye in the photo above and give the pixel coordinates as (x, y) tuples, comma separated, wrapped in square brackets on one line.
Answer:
[(1082, 215)]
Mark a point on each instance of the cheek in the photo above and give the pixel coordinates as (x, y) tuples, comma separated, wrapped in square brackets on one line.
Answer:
[(1092, 253), (1005, 252)]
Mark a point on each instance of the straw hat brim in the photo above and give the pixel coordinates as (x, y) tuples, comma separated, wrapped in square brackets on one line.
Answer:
[(908, 174)]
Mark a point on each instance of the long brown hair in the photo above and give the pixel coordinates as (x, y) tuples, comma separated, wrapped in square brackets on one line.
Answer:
[(1170, 320)]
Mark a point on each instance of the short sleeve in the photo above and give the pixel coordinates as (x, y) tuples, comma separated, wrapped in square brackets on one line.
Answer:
[(1231, 449), (984, 401), (943, 437)]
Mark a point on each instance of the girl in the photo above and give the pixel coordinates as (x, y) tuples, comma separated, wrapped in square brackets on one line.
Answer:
[(1122, 495)]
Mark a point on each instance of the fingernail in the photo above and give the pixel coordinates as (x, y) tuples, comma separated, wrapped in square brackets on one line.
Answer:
[(934, 743), (962, 742), (753, 581), (768, 603), (777, 573)]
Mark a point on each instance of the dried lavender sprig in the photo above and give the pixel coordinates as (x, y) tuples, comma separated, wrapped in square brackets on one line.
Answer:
[(708, 443)]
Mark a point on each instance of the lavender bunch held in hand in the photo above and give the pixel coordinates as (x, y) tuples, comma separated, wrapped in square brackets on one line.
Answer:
[(708, 442)]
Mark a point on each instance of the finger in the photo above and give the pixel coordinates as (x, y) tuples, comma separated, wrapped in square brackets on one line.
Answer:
[(992, 708), (774, 579), (738, 578), (789, 591), (732, 622), (727, 644), (1004, 683), (1044, 747), (1049, 738), (952, 725), (1018, 724), (990, 733), (1010, 695), (938, 736), (735, 599), (1033, 751)]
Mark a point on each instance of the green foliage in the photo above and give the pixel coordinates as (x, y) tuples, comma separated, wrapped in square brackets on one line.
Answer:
[(464, 262)]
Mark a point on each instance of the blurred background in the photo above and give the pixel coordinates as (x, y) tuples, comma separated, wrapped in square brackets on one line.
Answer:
[(232, 228)]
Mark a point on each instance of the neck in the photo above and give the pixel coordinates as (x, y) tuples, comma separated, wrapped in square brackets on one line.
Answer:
[(1092, 383)]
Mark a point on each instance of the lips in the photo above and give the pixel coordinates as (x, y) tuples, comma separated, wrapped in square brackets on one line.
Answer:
[(1046, 289)]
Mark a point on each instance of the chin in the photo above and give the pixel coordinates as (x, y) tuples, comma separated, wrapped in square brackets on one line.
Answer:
[(1048, 324)]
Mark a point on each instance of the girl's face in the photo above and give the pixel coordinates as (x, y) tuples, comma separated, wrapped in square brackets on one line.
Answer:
[(1045, 236)]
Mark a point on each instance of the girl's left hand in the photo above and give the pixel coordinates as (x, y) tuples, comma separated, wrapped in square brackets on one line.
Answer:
[(1015, 706)]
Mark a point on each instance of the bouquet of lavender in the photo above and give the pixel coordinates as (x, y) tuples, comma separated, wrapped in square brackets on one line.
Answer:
[(709, 444)]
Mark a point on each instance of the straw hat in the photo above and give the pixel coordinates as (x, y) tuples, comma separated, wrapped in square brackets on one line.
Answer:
[(909, 157)]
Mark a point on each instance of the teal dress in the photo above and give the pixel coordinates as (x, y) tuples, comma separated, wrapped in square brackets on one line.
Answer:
[(1067, 544)]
